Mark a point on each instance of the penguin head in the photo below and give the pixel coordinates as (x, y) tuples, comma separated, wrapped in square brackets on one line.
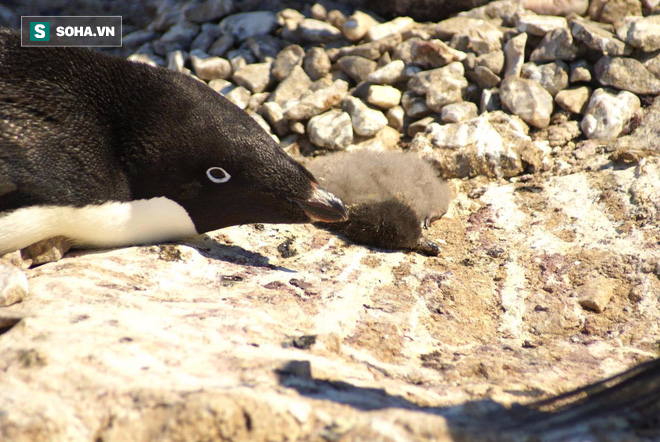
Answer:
[(226, 170)]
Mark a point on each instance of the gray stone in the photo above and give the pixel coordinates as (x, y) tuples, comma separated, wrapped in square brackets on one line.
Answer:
[(274, 114), (557, 7), (176, 61), (395, 117), (607, 113), (256, 77), (265, 47), (209, 10), (256, 100), (457, 112), (331, 130), (366, 121), (527, 99), (317, 102), (383, 97), (391, 73), (248, 24), (239, 58), (574, 99), (383, 30), (483, 77), (210, 68), (552, 76), (356, 26), (556, 45), (292, 87), (358, 68), (371, 50), (651, 62), (13, 284), (220, 46), (419, 126), (168, 14), (316, 63), (178, 37), (288, 57), (208, 34), (434, 54), (442, 85), (490, 100), (540, 24), (138, 38), (597, 38), (641, 32), (316, 31), (626, 74), (514, 51), (493, 61), (414, 105), (482, 38), (580, 72)]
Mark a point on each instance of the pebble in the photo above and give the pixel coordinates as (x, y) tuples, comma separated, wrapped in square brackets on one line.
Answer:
[(274, 114), (434, 54), (552, 76), (641, 32), (316, 63), (556, 45), (256, 100), (484, 77), (13, 284), (316, 31), (366, 121), (596, 294), (607, 113), (442, 86), (319, 101), (457, 112), (356, 26), (239, 96), (391, 73), (286, 60), (482, 38), (177, 37), (220, 47), (208, 34), (358, 68), (138, 38), (383, 97), (597, 38), (626, 74), (580, 72), (244, 25), (414, 105), (209, 10), (332, 130), (419, 126), (396, 26), (221, 86), (210, 68), (493, 61), (574, 99), (514, 51), (239, 58), (527, 99), (395, 117), (292, 87), (255, 77), (490, 100), (540, 25), (264, 47)]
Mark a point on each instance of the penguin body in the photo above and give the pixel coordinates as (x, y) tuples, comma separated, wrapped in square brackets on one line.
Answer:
[(108, 152), (390, 196)]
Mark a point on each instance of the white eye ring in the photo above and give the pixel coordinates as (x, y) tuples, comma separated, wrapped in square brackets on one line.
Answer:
[(224, 179)]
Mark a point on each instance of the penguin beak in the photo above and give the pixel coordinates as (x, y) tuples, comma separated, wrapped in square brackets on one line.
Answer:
[(323, 206)]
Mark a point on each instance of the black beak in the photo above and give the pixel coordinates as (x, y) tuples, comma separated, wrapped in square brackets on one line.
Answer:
[(323, 206)]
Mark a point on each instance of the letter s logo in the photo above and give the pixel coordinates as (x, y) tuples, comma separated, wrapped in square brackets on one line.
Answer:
[(40, 31)]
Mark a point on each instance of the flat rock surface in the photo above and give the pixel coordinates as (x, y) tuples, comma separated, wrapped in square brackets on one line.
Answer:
[(222, 336)]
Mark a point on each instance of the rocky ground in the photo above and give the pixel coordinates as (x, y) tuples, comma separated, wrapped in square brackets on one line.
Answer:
[(547, 127)]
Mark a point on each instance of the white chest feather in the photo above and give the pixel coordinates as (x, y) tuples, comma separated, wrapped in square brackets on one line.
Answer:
[(105, 225)]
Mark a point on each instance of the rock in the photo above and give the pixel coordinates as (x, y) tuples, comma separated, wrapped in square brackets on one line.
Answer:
[(358, 68), (457, 112), (596, 294), (391, 73), (220, 47), (396, 26), (210, 68), (414, 105), (317, 102), (626, 74), (481, 38), (176, 61), (434, 54), (366, 121), (557, 7), (292, 87), (288, 57), (641, 32), (13, 284), (357, 25), (208, 34), (490, 100), (138, 38), (492, 144), (239, 96), (264, 47), (597, 38), (143, 58), (239, 58), (442, 86), (316, 63), (613, 11), (371, 50), (209, 10), (178, 37), (556, 45), (274, 115), (574, 99), (552, 76), (331, 130), (316, 31), (221, 86), (514, 49), (540, 25), (255, 77), (607, 113), (527, 99), (652, 63), (580, 72), (383, 97), (483, 77), (248, 24), (395, 117), (419, 126), (45, 251), (265, 126), (256, 100), (493, 61)]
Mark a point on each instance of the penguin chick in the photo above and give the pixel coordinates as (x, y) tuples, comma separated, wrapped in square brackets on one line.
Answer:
[(107, 152), (389, 195)]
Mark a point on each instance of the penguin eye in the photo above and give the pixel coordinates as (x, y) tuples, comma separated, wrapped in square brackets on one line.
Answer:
[(218, 175)]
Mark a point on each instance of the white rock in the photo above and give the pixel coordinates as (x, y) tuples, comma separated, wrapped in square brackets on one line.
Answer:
[(317, 31), (318, 101), (13, 284), (641, 32), (527, 99), (395, 116), (514, 52), (383, 96), (239, 96), (457, 112), (574, 99), (210, 68), (398, 25), (366, 121), (540, 24), (248, 24), (391, 73), (607, 113), (256, 77), (331, 130), (357, 25), (221, 86)]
